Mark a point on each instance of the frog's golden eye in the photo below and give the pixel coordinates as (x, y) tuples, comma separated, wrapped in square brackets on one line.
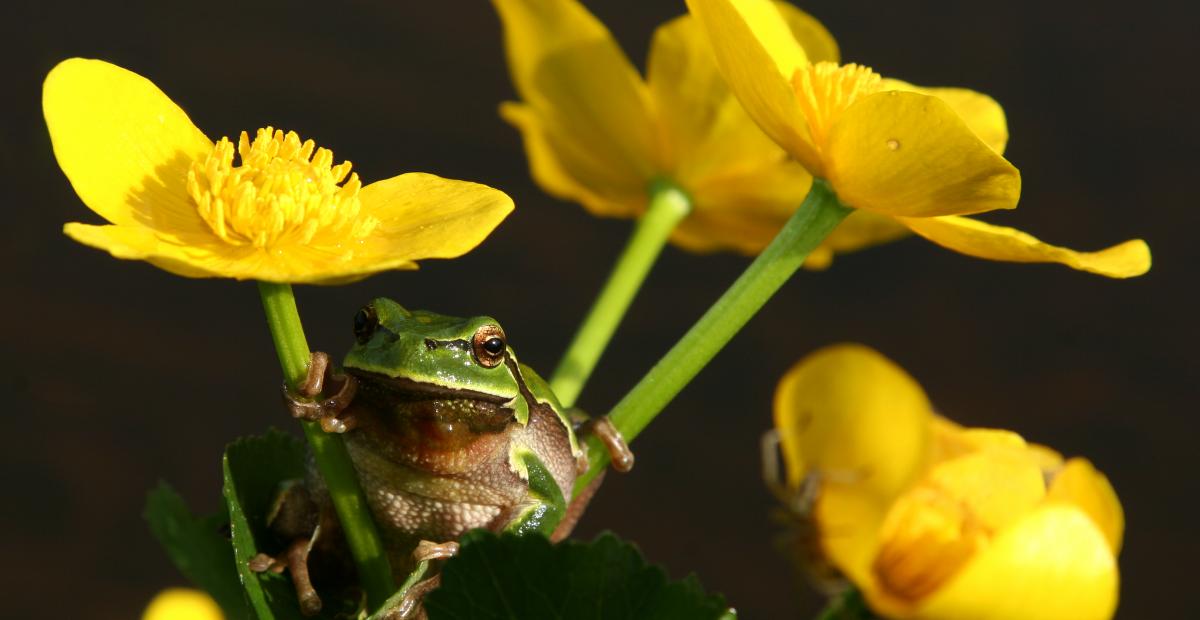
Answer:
[(488, 346), (365, 322)]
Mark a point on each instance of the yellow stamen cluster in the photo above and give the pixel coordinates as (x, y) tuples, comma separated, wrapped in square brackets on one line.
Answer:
[(282, 192), (825, 89), (928, 536)]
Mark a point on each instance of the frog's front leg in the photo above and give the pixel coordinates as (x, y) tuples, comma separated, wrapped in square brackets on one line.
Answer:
[(327, 411)]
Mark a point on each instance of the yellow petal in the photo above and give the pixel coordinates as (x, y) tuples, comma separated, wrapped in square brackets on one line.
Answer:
[(980, 112), (182, 604), (905, 154), (124, 145), (1051, 564), (1080, 485), (598, 196), (848, 522), (591, 102), (861, 229), (997, 484), (975, 238), (707, 131), (425, 216), (849, 414), (819, 45), (742, 210), (757, 53), (139, 243), (936, 528)]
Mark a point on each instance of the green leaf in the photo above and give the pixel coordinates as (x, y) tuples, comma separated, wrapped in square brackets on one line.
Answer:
[(197, 548), (849, 605), (509, 577), (254, 469)]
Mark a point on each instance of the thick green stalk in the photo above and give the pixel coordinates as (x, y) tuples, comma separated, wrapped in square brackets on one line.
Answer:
[(333, 461), (668, 205), (809, 225)]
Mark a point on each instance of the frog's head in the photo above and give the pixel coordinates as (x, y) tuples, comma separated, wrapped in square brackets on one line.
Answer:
[(429, 352)]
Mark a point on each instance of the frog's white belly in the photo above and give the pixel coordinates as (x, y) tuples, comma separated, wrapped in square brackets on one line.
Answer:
[(412, 505)]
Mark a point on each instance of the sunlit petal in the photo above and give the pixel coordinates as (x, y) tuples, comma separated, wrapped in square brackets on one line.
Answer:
[(140, 243), (758, 54), (906, 154), (1080, 485), (875, 439), (553, 178), (1053, 563), (591, 102), (124, 145), (819, 45), (982, 240), (980, 112), (410, 205)]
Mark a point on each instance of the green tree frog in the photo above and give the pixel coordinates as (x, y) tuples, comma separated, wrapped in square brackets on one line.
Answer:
[(447, 431)]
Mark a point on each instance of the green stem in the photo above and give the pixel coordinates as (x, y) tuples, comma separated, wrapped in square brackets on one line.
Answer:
[(817, 216), (329, 452), (668, 205)]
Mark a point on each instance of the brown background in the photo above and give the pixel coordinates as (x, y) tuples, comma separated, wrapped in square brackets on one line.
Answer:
[(117, 375)]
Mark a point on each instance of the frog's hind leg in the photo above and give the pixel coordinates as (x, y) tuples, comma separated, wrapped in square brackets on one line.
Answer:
[(409, 607), (295, 517), (575, 509)]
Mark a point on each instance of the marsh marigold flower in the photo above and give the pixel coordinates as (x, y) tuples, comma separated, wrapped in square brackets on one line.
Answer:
[(268, 206), (182, 604), (921, 157), (599, 134), (931, 520)]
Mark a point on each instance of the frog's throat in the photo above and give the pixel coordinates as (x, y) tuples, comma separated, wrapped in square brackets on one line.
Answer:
[(432, 390)]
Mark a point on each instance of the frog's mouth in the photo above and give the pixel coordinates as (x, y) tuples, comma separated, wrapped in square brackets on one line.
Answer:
[(436, 416), (377, 382)]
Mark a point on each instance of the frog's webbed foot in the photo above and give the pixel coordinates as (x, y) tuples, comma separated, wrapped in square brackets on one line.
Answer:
[(409, 607), (306, 405), (618, 451), (429, 550)]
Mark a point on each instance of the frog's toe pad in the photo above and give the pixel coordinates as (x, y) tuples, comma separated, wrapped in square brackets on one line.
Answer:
[(429, 550)]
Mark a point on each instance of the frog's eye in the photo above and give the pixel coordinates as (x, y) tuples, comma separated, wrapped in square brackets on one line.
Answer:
[(365, 322), (488, 346)]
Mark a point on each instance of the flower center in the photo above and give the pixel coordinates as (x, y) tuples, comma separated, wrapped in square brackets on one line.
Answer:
[(825, 89), (280, 193), (927, 537)]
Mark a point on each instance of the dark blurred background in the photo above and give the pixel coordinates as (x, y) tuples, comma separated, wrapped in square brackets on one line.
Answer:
[(117, 375)]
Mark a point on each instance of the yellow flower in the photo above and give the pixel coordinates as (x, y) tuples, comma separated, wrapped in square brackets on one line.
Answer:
[(283, 213), (599, 134), (182, 604), (934, 521), (922, 157)]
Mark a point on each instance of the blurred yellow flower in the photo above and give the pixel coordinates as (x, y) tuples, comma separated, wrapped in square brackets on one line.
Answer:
[(922, 157), (931, 520), (182, 604), (599, 134), (283, 213)]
